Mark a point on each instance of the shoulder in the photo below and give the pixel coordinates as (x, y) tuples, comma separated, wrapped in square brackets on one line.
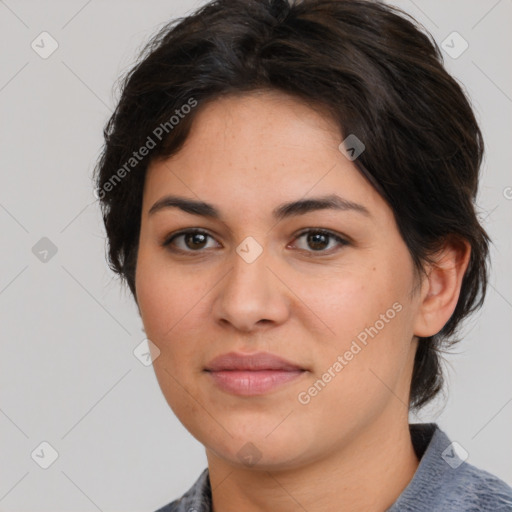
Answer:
[(445, 482), (463, 486), (196, 499), (473, 489)]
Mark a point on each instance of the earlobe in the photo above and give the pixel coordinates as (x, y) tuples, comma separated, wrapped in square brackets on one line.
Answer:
[(440, 289)]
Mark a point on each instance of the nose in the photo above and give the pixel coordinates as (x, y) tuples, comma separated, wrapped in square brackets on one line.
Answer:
[(251, 296)]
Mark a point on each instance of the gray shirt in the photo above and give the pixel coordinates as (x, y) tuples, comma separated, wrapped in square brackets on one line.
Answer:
[(443, 482)]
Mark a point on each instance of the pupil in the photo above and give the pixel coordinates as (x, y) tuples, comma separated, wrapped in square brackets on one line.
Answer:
[(195, 237), (315, 238)]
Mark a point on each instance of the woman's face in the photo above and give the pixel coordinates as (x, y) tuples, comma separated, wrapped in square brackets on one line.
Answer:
[(342, 312)]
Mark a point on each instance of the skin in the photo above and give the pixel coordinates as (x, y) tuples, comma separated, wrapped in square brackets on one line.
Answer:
[(350, 444)]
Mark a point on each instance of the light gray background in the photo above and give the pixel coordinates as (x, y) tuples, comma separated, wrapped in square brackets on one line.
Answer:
[(68, 375)]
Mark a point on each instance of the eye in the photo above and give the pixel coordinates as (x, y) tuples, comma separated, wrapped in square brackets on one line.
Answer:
[(193, 240), (319, 239)]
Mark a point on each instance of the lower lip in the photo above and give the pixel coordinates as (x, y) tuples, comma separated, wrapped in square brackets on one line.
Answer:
[(248, 383)]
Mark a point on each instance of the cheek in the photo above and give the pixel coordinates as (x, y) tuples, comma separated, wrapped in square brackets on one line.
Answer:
[(347, 302), (170, 302), (167, 296), (368, 316), (356, 368)]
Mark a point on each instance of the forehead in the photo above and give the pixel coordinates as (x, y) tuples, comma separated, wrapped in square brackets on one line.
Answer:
[(258, 150)]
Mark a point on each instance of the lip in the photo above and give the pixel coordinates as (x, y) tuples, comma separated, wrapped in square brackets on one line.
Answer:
[(252, 374), (256, 361)]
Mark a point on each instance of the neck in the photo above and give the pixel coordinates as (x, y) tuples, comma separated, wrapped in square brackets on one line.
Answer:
[(366, 474)]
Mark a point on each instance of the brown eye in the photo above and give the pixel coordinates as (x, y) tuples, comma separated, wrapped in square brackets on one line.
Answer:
[(319, 240), (189, 241), (195, 240)]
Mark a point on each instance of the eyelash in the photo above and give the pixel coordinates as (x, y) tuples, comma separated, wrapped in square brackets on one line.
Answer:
[(168, 241)]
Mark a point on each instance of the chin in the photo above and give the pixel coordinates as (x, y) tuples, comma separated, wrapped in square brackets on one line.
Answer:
[(260, 455), (261, 447)]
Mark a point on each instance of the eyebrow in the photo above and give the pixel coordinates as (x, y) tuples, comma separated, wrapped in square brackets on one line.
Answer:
[(285, 210)]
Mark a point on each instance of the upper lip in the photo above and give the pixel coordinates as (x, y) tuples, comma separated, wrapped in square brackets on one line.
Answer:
[(257, 361)]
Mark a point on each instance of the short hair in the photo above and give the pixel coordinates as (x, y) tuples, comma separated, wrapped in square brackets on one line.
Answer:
[(371, 66)]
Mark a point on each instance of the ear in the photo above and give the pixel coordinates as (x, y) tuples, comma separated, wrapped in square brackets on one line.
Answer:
[(440, 289)]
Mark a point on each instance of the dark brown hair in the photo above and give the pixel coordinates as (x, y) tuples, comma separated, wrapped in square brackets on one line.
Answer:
[(371, 66)]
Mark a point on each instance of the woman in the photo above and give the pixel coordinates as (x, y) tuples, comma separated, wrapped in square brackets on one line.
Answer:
[(288, 190)]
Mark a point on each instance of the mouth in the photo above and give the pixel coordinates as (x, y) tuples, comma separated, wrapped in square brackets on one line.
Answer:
[(251, 362), (252, 374)]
